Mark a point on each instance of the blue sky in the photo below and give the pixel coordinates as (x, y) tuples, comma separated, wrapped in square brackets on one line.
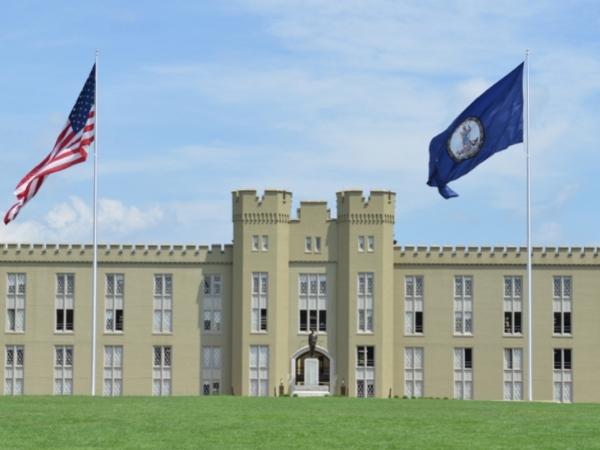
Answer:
[(200, 98)]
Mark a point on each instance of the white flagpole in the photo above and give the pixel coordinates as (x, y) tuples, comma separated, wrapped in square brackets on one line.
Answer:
[(95, 237), (529, 255)]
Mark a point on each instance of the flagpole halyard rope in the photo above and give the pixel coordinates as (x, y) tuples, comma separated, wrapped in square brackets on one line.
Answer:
[(94, 233)]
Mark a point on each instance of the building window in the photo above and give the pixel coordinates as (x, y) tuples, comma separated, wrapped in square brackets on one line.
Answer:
[(561, 305), (370, 243), (211, 370), (15, 302), (513, 304), (361, 243), (163, 303), (13, 370), (212, 303), (413, 304), (259, 370), (463, 305), (563, 375), (365, 371), (63, 370), (255, 242), (265, 243), (317, 244), (312, 302), (513, 374), (114, 302), (365, 302), (413, 371), (308, 244), (260, 283), (463, 373), (113, 370), (161, 370), (65, 289)]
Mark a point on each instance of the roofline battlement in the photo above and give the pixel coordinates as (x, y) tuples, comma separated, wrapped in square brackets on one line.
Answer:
[(274, 206), (356, 208)]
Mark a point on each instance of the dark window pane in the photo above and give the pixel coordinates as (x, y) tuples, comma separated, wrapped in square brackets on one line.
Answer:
[(567, 358), (360, 356), (508, 322), (206, 389), (557, 323), (322, 320), (263, 319), (468, 358), (59, 319), (313, 320), (69, 323), (517, 322), (557, 359), (567, 322), (119, 320), (370, 356), (303, 321), (419, 322)]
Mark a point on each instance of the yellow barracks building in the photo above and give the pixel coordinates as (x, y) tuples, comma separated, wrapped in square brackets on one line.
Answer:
[(234, 319)]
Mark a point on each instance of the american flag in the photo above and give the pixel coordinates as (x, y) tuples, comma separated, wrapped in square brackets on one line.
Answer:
[(70, 147)]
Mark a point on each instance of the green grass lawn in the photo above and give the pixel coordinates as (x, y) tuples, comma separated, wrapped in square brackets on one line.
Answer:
[(241, 422)]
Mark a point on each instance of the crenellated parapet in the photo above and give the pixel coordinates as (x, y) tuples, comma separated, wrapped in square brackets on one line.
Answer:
[(495, 255), (117, 253), (315, 212), (354, 208), (272, 208)]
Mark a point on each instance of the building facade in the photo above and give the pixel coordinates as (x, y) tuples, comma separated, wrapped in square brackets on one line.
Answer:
[(234, 319)]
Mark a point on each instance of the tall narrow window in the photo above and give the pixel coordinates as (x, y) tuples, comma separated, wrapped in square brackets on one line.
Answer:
[(308, 244), (15, 302), (413, 371), (259, 370), (365, 371), (211, 370), (13, 370), (463, 304), (413, 304), (513, 304), (561, 305), (317, 244), (65, 290), (312, 301), (255, 242), (161, 370), (365, 302), (513, 374), (463, 373), (163, 303), (113, 370), (212, 303), (563, 375), (361, 243), (265, 243), (260, 284), (63, 370), (370, 243), (115, 288)]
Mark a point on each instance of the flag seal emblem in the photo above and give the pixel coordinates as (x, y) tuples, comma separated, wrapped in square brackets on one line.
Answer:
[(466, 140)]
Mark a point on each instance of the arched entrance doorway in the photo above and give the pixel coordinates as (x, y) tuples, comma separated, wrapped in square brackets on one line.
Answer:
[(326, 371)]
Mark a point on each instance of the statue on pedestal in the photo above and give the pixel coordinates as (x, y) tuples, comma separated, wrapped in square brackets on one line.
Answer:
[(312, 342)]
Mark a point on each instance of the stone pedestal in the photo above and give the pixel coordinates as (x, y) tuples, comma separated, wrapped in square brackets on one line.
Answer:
[(311, 372)]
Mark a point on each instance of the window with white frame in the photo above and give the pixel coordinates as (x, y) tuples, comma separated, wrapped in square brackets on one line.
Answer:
[(513, 374), (259, 370), (15, 302), (163, 303), (13, 370), (161, 370), (370, 243), (561, 305), (463, 373), (308, 248), (265, 243), (365, 302), (463, 304), (312, 302), (563, 375), (317, 244), (211, 370), (113, 370), (212, 303), (365, 371), (255, 242), (361, 243), (413, 371), (513, 304), (63, 370), (413, 304), (260, 284), (65, 291), (113, 300)]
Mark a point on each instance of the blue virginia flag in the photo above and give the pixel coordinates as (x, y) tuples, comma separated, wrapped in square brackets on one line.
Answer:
[(490, 124)]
